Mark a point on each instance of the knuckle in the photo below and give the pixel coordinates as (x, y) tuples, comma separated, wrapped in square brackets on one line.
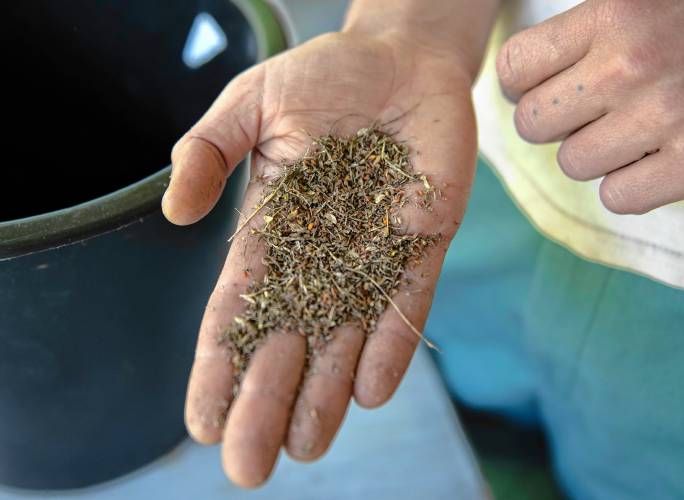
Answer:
[(677, 146), (661, 114), (525, 121), (631, 65)]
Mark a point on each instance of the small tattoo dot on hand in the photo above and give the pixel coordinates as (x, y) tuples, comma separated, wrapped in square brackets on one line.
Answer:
[(556, 101), (580, 87), (535, 111)]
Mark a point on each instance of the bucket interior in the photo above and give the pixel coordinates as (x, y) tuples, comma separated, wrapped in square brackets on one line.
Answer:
[(96, 93)]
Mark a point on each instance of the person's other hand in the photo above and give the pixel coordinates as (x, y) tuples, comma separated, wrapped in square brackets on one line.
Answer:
[(607, 79), (337, 82)]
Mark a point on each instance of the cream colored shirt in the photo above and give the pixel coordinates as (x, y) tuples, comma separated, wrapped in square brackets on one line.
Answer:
[(568, 211)]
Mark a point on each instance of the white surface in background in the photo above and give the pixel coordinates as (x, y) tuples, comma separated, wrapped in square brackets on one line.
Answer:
[(412, 448), (205, 41)]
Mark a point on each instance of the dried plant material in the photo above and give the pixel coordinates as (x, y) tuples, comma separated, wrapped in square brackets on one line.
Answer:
[(333, 255)]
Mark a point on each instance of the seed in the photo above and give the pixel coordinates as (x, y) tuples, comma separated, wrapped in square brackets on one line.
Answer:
[(344, 272)]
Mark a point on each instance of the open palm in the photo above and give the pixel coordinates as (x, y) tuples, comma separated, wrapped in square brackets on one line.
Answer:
[(336, 83)]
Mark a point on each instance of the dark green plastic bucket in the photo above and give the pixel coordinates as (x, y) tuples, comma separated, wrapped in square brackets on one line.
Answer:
[(100, 297)]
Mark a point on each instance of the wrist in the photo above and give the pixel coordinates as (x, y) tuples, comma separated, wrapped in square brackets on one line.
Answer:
[(455, 32), (420, 54)]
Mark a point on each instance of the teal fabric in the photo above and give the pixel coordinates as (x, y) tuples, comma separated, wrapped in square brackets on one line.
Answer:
[(592, 354)]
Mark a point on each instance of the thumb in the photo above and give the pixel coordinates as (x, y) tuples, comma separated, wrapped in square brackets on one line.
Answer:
[(209, 152)]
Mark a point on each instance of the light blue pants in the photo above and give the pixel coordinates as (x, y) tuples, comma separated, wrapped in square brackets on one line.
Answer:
[(593, 355)]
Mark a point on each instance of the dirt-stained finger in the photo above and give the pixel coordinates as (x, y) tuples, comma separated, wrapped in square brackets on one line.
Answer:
[(211, 380), (388, 351), (446, 157), (258, 419), (324, 395)]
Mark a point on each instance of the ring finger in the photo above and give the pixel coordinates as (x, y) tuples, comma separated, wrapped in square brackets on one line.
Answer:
[(609, 143)]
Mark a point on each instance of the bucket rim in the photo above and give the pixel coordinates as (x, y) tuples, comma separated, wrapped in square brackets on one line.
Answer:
[(129, 204)]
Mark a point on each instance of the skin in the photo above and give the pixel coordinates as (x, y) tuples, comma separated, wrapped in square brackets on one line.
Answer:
[(395, 72), (604, 78), (607, 79)]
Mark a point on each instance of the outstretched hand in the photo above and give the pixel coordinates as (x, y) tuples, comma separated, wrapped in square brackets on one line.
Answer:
[(338, 83)]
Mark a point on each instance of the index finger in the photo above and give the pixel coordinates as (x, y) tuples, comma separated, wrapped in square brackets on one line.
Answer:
[(211, 379), (532, 56)]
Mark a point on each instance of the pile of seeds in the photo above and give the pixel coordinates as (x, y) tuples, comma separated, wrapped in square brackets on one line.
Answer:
[(334, 250)]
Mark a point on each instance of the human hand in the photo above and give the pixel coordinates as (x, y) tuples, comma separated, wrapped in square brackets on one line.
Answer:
[(607, 79), (340, 82)]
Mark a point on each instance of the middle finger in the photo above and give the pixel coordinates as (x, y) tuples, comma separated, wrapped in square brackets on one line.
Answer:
[(325, 394), (561, 105)]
